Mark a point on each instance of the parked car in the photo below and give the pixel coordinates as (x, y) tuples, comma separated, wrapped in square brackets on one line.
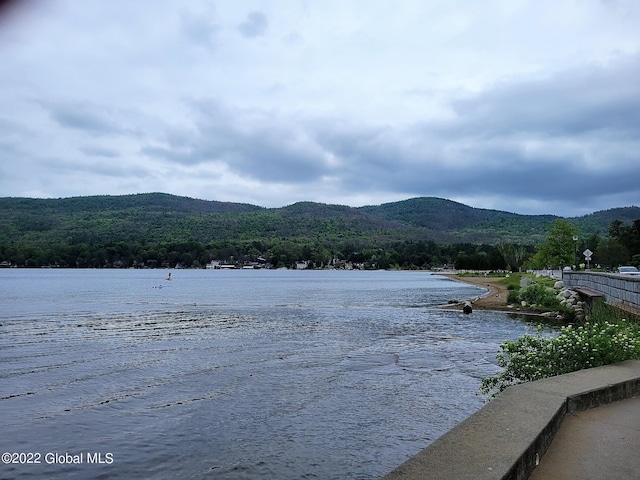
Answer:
[(628, 270)]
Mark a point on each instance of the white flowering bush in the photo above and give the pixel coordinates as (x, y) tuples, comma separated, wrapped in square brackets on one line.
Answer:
[(601, 340)]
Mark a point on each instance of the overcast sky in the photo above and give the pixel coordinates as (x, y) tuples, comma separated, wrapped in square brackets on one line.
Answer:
[(524, 106)]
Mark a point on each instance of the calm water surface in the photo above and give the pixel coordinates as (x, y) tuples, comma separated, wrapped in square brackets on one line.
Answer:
[(235, 374)]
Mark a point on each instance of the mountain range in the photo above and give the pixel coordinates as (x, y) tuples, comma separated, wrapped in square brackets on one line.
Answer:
[(159, 217)]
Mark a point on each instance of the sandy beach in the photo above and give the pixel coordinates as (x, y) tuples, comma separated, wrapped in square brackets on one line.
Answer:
[(495, 299)]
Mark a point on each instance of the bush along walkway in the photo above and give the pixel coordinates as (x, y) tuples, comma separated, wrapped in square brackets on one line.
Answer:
[(603, 338), (553, 301)]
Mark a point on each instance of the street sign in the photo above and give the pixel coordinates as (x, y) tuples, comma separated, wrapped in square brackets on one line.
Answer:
[(587, 256)]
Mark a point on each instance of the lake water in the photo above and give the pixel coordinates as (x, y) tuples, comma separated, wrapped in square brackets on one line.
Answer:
[(234, 374)]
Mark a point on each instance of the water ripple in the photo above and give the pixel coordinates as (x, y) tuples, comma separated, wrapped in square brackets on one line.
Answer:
[(257, 375)]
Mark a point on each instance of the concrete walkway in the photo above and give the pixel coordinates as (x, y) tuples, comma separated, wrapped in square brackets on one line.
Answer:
[(580, 425), (601, 443)]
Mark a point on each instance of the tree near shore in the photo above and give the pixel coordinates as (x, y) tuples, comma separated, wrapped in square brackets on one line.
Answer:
[(559, 249), (622, 245), (513, 255)]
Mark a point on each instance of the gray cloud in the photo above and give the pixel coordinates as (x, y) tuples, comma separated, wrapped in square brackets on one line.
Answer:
[(99, 152), (573, 102), (572, 136), (253, 143), (568, 137), (82, 116), (201, 29), (364, 107), (255, 25), (96, 166)]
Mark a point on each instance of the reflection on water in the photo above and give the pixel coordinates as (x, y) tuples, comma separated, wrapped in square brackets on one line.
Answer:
[(247, 374)]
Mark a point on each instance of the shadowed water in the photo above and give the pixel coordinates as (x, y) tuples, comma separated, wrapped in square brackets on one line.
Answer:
[(236, 374)]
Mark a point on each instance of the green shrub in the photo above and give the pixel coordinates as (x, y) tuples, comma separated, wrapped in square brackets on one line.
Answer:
[(539, 295), (602, 340), (512, 297)]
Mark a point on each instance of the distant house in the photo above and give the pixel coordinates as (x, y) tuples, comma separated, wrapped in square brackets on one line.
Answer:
[(218, 265)]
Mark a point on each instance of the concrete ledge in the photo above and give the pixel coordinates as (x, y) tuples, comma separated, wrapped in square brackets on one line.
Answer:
[(617, 289), (506, 437)]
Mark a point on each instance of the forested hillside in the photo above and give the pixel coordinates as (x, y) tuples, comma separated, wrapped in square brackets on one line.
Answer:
[(453, 221), (90, 231)]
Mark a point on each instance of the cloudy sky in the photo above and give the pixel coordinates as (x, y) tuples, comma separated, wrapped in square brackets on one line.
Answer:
[(524, 106)]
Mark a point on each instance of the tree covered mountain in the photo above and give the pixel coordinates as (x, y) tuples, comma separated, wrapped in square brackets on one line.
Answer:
[(158, 217)]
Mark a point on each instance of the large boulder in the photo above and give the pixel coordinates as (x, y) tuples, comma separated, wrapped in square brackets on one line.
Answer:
[(467, 307)]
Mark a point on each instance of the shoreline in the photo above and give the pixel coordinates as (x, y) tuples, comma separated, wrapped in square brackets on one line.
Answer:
[(495, 299)]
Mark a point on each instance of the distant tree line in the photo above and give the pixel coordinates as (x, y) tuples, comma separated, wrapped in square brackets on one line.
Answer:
[(621, 246), (283, 253)]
